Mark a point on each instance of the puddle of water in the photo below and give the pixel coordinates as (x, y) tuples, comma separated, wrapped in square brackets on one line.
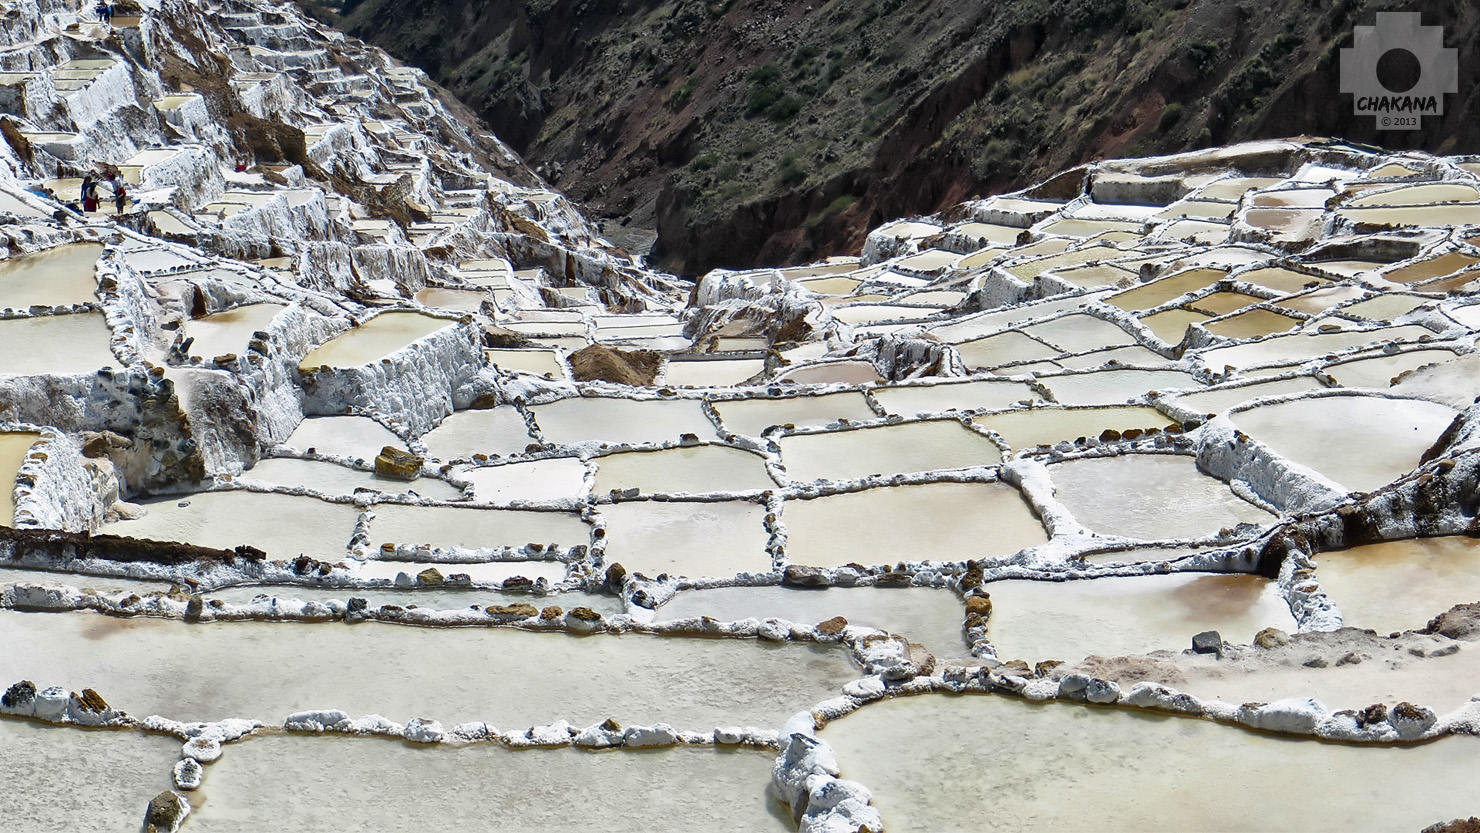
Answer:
[(496, 431), (615, 420), (269, 670), (54, 277), (334, 783), (229, 331), (826, 373), (889, 449), (334, 479), (14, 446), (1171, 325), (558, 479), (1218, 400), (1321, 433), (1046, 426), (1004, 348), (924, 399), (355, 437), (926, 615), (76, 779), (283, 526), (1113, 387), (1129, 496), (888, 524), (447, 526), (1253, 324), (990, 232), (374, 340), (1379, 371), (713, 372), (697, 540), (751, 417), (74, 344), (1300, 347), (695, 470), (1078, 333), (1130, 770), (1434, 574), (1158, 292)]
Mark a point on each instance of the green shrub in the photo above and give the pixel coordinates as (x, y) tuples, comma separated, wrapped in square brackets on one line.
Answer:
[(1170, 115)]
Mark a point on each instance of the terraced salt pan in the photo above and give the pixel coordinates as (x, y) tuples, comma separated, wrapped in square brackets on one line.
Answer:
[(268, 670), (373, 340), (440, 597), (14, 446), (696, 469), (889, 524), (1047, 426), (1135, 354), (908, 400), (617, 420), (334, 479), (1414, 215), (491, 572), (1427, 194), (1321, 300), (712, 372), (1171, 325), (355, 437), (929, 616), (74, 344), (1322, 432), (718, 539), (446, 526), (495, 431), (1111, 387), (850, 372), (54, 277), (323, 783), (1455, 383), (890, 449), (1299, 347), (1004, 348), (1253, 323), (1158, 292), (751, 417), (1280, 280), (460, 300), (74, 779), (1218, 400), (1386, 307), (976, 326), (1379, 371), (562, 478), (1133, 770), (543, 362), (283, 526), (1129, 496), (1077, 333), (229, 331), (1399, 585), (1430, 268), (1039, 620)]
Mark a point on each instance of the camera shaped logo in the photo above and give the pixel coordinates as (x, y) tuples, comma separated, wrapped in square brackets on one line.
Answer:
[(1399, 32)]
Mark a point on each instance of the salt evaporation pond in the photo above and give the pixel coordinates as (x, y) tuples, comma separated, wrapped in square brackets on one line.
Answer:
[(1129, 495), (1004, 348), (1133, 770), (229, 332), (432, 597), (1321, 432), (889, 524), (335, 783), (616, 420), (1401, 585), (61, 276), (355, 437), (374, 339), (494, 432), (66, 779), (932, 617), (561, 478), (909, 400), (1114, 387), (14, 447), (1047, 426), (1380, 371), (712, 372), (1218, 400), (709, 539), (333, 479), (269, 670), (487, 572), (446, 526), (283, 526), (75, 344), (751, 417), (694, 470), (1069, 620), (890, 449)]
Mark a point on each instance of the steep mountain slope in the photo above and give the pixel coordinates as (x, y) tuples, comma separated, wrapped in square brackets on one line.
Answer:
[(758, 131)]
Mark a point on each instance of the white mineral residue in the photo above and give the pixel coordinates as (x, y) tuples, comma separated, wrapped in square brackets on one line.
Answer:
[(558, 479), (1128, 496), (1218, 400), (14, 446)]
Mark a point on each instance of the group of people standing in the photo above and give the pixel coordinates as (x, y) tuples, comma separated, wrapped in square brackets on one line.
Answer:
[(104, 11), (90, 185)]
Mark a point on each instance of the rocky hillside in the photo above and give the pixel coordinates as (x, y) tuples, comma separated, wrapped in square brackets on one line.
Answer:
[(758, 131)]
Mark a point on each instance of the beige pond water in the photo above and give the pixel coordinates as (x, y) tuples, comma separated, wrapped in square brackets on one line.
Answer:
[(1171, 325), (1321, 433), (447, 526), (1135, 354), (1299, 347), (712, 372), (507, 677), (1399, 585), (1074, 767), (562, 478), (1218, 400), (543, 362), (283, 526), (616, 420), (751, 417), (1130, 496), (1386, 307), (1078, 333), (1280, 280), (932, 617), (982, 324), (1414, 215), (14, 446), (1234, 187), (1430, 268), (460, 300), (1046, 426), (1113, 387), (1102, 274), (336, 783), (695, 470), (229, 331), (1253, 323), (374, 339), (849, 372), (1427, 194), (890, 449), (55, 277), (1222, 303), (1108, 617), (334, 479), (74, 344), (690, 539), (355, 437), (1321, 300), (926, 399), (889, 524), (69, 779), (1379, 371), (496, 431), (1004, 348), (1158, 292), (489, 572)]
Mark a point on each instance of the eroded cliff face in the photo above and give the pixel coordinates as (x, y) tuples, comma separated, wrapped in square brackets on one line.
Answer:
[(755, 132)]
